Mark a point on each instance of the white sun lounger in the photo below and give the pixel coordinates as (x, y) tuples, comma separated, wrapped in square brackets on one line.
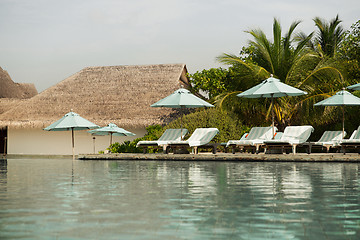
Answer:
[(167, 136), (200, 138), (329, 139), (352, 142), (292, 137), (253, 140)]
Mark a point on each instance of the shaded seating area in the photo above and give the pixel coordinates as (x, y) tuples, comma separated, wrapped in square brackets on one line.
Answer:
[(352, 143), (252, 140), (200, 138), (291, 138), (167, 136), (329, 139)]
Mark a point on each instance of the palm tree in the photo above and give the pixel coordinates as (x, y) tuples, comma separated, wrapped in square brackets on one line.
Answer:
[(289, 59), (277, 57), (329, 35)]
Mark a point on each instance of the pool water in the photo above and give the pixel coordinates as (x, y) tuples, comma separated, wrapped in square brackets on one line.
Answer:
[(65, 199)]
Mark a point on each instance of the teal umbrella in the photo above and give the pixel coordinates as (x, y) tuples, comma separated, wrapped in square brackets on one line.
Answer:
[(71, 122), (112, 130), (354, 87), (182, 98), (271, 88), (341, 98)]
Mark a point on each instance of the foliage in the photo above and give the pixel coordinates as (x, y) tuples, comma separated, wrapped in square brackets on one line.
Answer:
[(329, 36), (125, 147), (289, 59), (247, 54), (153, 133), (350, 46), (351, 116), (349, 51), (279, 56), (211, 81)]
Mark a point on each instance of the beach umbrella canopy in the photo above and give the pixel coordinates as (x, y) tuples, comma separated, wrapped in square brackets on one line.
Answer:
[(271, 88), (354, 87), (112, 130), (342, 98), (182, 98), (71, 122)]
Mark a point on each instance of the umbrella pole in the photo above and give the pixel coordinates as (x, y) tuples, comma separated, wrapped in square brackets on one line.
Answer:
[(110, 138), (343, 123), (272, 113), (181, 112), (72, 140), (94, 144)]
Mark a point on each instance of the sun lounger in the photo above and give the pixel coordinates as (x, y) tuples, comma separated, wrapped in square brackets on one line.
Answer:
[(200, 138), (167, 136), (291, 138), (253, 140), (353, 135), (328, 140), (352, 142)]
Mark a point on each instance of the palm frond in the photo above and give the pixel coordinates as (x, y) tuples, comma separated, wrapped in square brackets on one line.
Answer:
[(232, 59), (221, 98)]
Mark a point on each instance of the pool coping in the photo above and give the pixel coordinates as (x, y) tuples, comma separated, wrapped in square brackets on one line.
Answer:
[(300, 157), (238, 157)]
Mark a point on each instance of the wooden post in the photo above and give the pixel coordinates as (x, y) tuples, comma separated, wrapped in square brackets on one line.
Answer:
[(73, 144), (272, 112), (94, 144), (343, 124), (5, 147)]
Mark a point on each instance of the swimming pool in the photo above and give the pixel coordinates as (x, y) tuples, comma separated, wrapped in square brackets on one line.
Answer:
[(65, 199)]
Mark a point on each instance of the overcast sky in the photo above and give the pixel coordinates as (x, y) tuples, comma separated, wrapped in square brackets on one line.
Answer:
[(45, 41)]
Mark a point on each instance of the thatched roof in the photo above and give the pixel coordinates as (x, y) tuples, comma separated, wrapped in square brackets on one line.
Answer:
[(28, 89), (9, 89), (8, 103), (118, 94)]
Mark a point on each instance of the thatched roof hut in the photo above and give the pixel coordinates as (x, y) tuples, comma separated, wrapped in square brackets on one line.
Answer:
[(118, 94), (9, 89)]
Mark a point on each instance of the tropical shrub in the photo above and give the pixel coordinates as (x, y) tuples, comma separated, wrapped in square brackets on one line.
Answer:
[(212, 81), (153, 133), (125, 147)]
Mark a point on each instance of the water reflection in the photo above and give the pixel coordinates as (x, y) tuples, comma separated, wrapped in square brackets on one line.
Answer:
[(178, 200)]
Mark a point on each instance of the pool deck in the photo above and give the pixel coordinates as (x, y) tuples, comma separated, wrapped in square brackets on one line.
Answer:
[(238, 157)]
